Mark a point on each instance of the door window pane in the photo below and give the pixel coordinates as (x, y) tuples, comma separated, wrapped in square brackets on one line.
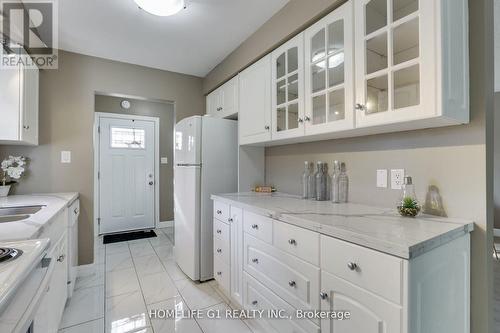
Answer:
[(131, 138), (280, 66), (377, 91), (402, 8), (293, 59), (376, 15), (319, 109), (376, 53), (281, 119), (406, 42), (335, 37), (293, 87), (336, 105), (318, 76), (407, 87), (280, 92), (293, 116), (336, 69), (318, 46)]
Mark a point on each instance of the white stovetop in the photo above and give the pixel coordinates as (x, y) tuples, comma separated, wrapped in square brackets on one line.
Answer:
[(32, 227), (377, 228)]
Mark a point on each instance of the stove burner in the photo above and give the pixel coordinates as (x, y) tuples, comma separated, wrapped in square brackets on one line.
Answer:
[(7, 254)]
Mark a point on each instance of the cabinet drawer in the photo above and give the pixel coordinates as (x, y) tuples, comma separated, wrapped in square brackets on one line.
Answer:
[(221, 211), (258, 226), (258, 297), (297, 241), (374, 271), (222, 275), (221, 250), (221, 230), (292, 279)]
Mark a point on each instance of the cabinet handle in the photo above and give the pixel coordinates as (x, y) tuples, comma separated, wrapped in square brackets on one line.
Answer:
[(301, 120), (255, 303), (266, 127), (255, 226), (219, 251), (292, 242), (292, 283), (230, 220), (352, 266), (360, 107), (61, 258), (323, 295), (219, 212), (75, 211), (307, 118), (219, 231), (26, 127), (219, 273), (255, 260)]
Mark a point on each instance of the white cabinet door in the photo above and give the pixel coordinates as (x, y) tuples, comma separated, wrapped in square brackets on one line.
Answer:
[(288, 89), (29, 107), (236, 242), (58, 291), (213, 103), (329, 73), (10, 103), (396, 61), (255, 103), (229, 98), (368, 312)]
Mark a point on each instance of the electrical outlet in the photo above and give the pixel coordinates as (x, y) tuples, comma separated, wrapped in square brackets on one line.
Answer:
[(382, 178), (397, 178)]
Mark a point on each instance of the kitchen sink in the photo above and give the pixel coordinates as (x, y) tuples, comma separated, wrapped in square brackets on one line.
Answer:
[(19, 210), (13, 218)]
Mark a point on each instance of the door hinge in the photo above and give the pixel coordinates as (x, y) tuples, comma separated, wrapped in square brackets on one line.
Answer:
[(98, 221)]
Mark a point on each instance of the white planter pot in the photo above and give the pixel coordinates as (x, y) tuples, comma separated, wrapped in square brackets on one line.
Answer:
[(4, 190)]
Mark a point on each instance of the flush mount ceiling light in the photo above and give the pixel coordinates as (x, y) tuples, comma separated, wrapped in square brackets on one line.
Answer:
[(161, 7)]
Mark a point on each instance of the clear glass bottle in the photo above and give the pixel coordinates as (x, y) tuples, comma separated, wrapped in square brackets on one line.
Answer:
[(343, 184), (328, 182), (321, 183), (408, 204), (305, 180), (335, 182), (311, 183)]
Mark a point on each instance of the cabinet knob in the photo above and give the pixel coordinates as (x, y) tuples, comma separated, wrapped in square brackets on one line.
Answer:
[(301, 120), (219, 251), (61, 258), (352, 266), (266, 127), (219, 212), (307, 118), (75, 211), (151, 183), (292, 242), (230, 220), (255, 260), (26, 127), (323, 295), (255, 226), (291, 283), (255, 303), (219, 273), (360, 107), (219, 231)]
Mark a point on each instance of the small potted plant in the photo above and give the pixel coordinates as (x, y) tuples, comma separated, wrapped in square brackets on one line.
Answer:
[(12, 169), (408, 206)]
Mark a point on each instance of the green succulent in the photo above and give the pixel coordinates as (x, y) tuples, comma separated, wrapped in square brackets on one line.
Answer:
[(409, 207)]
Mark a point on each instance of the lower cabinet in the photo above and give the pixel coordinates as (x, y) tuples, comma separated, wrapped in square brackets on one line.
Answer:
[(236, 254)]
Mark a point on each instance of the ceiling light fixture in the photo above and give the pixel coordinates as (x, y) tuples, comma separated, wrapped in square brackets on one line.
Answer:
[(161, 7)]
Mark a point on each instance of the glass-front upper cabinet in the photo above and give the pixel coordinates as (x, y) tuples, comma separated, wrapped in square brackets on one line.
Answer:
[(395, 61), (329, 73), (288, 89)]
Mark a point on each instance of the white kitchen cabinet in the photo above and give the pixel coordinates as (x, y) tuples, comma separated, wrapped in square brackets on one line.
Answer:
[(236, 225), (288, 89), (73, 214), (57, 290), (412, 66), (329, 68), (254, 115), (223, 102), (19, 105)]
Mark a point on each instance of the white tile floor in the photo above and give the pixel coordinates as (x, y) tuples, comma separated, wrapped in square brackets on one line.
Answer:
[(133, 277)]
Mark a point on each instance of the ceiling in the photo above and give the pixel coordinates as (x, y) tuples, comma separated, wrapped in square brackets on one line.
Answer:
[(192, 42)]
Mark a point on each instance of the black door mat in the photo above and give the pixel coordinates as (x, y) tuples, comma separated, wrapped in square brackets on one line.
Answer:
[(128, 236)]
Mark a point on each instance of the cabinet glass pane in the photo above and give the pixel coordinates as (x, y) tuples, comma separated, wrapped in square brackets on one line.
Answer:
[(335, 36), (402, 8), (376, 15), (280, 92), (293, 116), (407, 87), (280, 66), (293, 59), (281, 119), (336, 105), (336, 69), (319, 109), (318, 76), (377, 94), (406, 42), (318, 46), (293, 87), (376, 53)]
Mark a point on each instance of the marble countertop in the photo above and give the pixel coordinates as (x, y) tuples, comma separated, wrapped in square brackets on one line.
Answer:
[(376, 228), (33, 226)]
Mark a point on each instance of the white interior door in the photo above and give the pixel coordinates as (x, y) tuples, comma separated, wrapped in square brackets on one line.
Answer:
[(127, 180)]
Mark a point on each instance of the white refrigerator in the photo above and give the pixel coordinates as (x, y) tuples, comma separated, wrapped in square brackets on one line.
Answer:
[(206, 163)]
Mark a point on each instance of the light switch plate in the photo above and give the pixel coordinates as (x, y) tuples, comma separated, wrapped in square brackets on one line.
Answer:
[(65, 156), (382, 178), (397, 178), (164, 160)]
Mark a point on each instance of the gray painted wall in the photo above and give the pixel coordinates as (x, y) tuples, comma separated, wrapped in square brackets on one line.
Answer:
[(165, 112)]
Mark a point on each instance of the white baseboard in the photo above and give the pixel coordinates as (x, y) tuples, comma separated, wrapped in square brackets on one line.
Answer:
[(496, 232), (166, 224), (84, 270)]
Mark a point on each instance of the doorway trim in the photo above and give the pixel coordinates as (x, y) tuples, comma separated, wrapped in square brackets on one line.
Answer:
[(96, 142)]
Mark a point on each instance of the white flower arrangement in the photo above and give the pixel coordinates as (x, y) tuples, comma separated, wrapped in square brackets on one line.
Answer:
[(13, 168)]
